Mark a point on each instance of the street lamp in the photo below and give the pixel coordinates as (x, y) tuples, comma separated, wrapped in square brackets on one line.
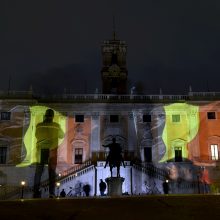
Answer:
[(22, 188), (58, 187)]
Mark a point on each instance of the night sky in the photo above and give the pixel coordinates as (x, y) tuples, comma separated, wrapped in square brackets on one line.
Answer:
[(53, 44)]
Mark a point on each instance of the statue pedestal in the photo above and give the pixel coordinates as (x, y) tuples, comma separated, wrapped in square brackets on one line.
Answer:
[(114, 185)]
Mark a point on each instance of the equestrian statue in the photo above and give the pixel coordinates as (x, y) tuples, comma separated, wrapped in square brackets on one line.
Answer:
[(114, 158)]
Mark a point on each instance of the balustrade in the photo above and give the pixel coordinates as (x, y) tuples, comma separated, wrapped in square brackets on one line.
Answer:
[(110, 97)]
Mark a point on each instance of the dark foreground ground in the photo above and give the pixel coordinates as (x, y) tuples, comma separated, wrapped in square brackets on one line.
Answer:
[(143, 207)]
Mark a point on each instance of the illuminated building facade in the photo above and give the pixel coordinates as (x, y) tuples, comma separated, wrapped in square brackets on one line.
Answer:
[(174, 137)]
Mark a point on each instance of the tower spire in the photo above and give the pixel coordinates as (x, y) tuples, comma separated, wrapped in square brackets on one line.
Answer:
[(113, 19), (114, 28)]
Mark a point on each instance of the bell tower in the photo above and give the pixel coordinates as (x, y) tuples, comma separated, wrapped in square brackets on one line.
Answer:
[(114, 71)]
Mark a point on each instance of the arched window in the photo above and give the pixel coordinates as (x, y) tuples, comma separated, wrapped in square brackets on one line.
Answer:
[(214, 152), (214, 143), (78, 153), (179, 149)]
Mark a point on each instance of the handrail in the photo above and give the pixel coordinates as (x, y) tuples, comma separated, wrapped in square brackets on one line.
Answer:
[(76, 174), (67, 173), (75, 169), (151, 170)]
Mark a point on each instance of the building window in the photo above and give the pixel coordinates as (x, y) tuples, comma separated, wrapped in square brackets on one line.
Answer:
[(114, 118), (79, 118), (175, 118), (146, 118), (214, 151), (3, 154), (78, 155), (5, 116), (211, 115), (178, 154)]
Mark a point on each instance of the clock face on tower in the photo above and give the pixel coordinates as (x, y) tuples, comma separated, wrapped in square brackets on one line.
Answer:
[(114, 70)]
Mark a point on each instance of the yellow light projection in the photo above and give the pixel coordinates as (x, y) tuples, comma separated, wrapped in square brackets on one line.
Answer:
[(181, 126), (36, 116)]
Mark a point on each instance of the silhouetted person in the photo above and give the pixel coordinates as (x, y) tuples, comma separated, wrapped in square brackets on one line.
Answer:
[(166, 187), (102, 187), (86, 189), (63, 193), (47, 134), (114, 157)]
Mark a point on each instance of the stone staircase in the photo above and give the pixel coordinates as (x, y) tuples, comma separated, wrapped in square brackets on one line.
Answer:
[(155, 176), (66, 179), (71, 179), (151, 171)]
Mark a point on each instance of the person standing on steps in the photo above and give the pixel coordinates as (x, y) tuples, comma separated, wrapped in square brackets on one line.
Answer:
[(102, 187), (63, 193)]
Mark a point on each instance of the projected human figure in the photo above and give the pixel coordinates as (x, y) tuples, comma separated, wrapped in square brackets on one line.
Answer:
[(47, 134), (114, 157)]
